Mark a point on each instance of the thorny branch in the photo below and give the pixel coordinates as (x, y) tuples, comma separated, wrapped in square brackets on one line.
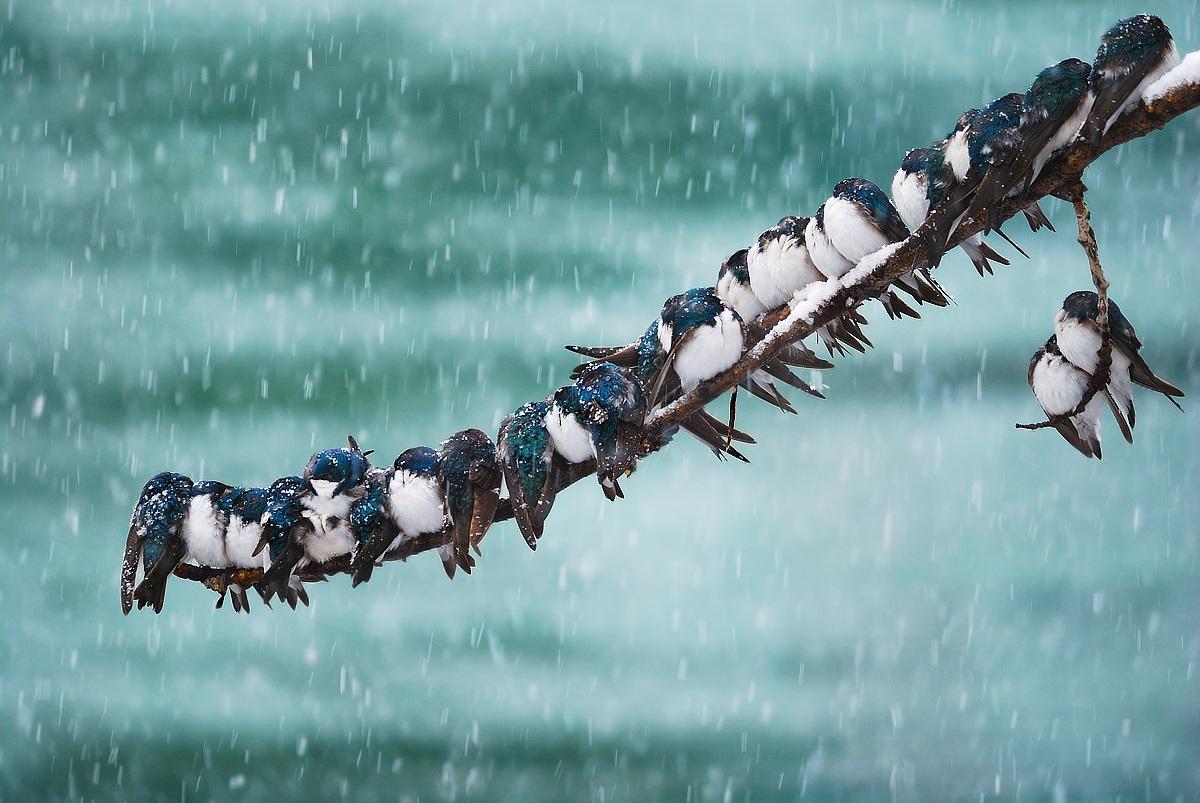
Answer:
[(831, 299)]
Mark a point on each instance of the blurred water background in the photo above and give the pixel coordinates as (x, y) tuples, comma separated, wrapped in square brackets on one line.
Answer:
[(230, 233)]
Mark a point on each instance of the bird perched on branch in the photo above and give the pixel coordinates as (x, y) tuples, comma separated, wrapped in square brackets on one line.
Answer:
[(777, 267), (333, 480), (280, 546), (645, 357), (155, 540), (532, 468), (969, 151), (1079, 340), (1059, 387), (1133, 54), (606, 407), (1053, 111), (264, 530), (733, 288), (472, 476), (922, 183), (405, 502), (857, 220), (205, 525)]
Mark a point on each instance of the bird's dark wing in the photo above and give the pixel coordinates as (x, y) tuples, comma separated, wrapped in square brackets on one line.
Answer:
[(1071, 436), (371, 550), (1122, 423), (485, 476), (714, 434), (531, 529), (780, 371), (275, 580), (460, 499), (129, 565), (765, 389), (153, 588), (1112, 91), (1140, 373)]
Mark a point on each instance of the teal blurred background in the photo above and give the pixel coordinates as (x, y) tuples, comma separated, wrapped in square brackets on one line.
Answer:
[(230, 233)]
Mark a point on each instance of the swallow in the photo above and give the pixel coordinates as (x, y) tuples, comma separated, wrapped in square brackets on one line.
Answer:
[(1053, 111), (472, 476), (532, 468), (1059, 387), (1079, 340), (923, 183), (155, 540), (858, 220), (1133, 54), (779, 268)]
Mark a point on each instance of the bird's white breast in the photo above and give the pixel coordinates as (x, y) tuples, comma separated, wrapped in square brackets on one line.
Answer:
[(415, 504), (825, 257), (910, 194), (326, 504), (850, 231), (709, 350), (780, 269), (202, 534), (958, 155), (569, 437), (241, 537), (328, 538), (740, 297), (1078, 341), (1058, 385)]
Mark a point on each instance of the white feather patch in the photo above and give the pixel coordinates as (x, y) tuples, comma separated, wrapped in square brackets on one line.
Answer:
[(708, 350), (825, 257), (415, 504), (851, 231)]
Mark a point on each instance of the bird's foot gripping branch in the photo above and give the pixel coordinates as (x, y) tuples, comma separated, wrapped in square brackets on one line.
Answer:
[(804, 276)]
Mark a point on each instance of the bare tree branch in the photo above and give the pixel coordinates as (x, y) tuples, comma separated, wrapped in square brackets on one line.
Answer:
[(828, 300)]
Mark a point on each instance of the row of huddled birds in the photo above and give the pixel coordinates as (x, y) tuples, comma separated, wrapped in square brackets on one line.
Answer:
[(343, 509)]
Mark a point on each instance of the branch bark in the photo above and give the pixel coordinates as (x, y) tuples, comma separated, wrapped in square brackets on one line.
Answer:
[(828, 300)]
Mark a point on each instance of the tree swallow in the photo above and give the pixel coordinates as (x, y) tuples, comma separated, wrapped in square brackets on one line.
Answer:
[(969, 150), (1133, 54), (155, 540), (1079, 340), (645, 357), (858, 220), (283, 529), (608, 404), (205, 525), (415, 505), (531, 466), (1059, 387), (1052, 113), (922, 183), (734, 287), (778, 267), (333, 480), (471, 469)]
